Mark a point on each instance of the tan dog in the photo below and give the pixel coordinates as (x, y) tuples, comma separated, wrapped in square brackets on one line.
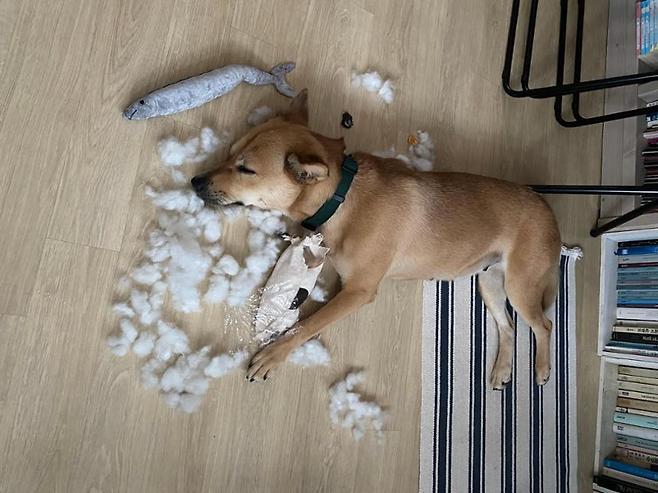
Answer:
[(397, 223)]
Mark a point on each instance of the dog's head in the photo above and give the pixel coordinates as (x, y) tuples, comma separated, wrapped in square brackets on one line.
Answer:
[(274, 164)]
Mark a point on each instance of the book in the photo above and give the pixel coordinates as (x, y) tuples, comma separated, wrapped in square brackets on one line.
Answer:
[(653, 241), (638, 28), (635, 448), (643, 396), (638, 387), (636, 404), (639, 412), (635, 282), (635, 431), (626, 350), (636, 379), (632, 313), (634, 470), (619, 485), (637, 263), (633, 345), (633, 337), (639, 456), (630, 478), (638, 372), (635, 420), (639, 250), (636, 463)]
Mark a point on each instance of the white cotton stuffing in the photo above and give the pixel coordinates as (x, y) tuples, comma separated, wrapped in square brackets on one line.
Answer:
[(420, 157), (147, 274), (373, 82), (348, 410), (260, 115), (124, 310), (172, 341), (182, 251), (319, 293), (144, 344), (311, 353), (121, 344), (225, 363)]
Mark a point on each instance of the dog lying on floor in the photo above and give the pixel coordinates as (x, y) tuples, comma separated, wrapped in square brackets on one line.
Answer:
[(397, 223)]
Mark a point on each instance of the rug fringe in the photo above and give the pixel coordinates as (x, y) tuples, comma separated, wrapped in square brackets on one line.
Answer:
[(575, 252)]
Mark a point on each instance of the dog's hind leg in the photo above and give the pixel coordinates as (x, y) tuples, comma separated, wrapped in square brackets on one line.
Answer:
[(530, 284), (492, 290)]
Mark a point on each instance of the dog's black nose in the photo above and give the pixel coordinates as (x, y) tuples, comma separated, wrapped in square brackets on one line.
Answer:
[(200, 182)]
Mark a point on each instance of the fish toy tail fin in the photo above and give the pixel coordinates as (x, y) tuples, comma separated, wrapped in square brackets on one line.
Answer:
[(279, 72)]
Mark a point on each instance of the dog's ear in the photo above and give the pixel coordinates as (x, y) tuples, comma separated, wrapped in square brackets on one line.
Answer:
[(298, 109), (306, 170)]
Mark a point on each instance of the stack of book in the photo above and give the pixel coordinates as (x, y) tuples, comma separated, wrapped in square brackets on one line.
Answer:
[(634, 465), (646, 27)]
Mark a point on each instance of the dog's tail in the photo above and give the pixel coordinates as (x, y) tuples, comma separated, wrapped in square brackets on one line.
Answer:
[(279, 72)]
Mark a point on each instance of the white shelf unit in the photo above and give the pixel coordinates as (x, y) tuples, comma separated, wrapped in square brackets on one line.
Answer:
[(608, 291), (605, 438)]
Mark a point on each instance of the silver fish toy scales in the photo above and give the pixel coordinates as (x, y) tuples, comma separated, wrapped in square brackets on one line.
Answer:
[(200, 89)]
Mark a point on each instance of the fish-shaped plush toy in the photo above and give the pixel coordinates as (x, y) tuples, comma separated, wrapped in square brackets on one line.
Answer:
[(195, 91)]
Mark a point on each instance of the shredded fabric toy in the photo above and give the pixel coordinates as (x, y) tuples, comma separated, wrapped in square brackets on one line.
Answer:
[(373, 82), (421, 153), (289, 285), (347, 410)]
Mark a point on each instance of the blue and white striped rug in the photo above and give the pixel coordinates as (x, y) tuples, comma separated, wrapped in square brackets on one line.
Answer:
[(475, 439)]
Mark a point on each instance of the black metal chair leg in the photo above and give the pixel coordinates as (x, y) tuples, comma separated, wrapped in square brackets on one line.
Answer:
[(643, 209)]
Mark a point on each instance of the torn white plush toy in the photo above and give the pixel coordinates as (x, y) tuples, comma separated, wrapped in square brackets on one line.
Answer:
[(373, 82), (289, 285), (421, 152), (347, 410), (311, 353)]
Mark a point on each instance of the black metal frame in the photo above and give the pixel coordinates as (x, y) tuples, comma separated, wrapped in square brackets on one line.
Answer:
[(560, 89), (606, 190)]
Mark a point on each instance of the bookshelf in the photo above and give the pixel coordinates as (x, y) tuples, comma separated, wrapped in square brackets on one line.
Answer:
[(606, 439)]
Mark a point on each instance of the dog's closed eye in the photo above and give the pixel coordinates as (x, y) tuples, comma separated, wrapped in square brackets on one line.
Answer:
[(245, 170)]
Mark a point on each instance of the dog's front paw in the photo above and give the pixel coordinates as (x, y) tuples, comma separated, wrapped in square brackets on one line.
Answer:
[(268, 359), (542, 374)]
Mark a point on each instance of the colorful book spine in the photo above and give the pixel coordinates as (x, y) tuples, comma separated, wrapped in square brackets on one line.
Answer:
[(638, 250), (635, 431), (638, 442), (635, 420), (633, 345), (637, 463), (628, 469), (638, 28)]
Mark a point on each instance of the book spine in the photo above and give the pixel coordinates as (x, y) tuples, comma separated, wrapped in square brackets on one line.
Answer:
[(636, 330), (618, 485), (643, 396), (630, 478), (638, 250), (628, 469), (635, 420), (637, 463), (628, 313), (639, 456), (635, 404), (650, 241), (638, 28), (630, 337), (638, 372), (635, 448), (639, 412), (636, 379), (635, 431), (633, 345), (626, 350)]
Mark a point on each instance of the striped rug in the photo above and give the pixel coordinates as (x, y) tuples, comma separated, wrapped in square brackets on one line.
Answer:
[(475, 439)]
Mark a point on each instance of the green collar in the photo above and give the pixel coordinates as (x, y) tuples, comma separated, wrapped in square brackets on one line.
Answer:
[(348, 171)]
